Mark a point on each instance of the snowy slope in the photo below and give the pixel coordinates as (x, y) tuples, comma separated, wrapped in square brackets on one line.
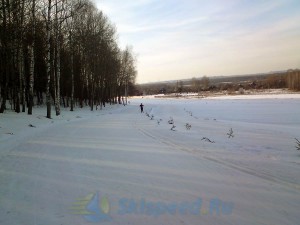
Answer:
[(144, 168)]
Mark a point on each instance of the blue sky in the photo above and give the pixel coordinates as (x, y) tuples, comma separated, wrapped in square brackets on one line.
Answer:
[(178, 39)]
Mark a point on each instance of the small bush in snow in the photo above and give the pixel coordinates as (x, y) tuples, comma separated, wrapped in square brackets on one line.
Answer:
[(189, 112), (188, 126), (152, 117), (171, 121), (173, 127), (158, 121), (207, 139), (230, 133), (297, 144)]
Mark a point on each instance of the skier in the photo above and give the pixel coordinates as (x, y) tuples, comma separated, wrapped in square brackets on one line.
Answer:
[(142, 107)]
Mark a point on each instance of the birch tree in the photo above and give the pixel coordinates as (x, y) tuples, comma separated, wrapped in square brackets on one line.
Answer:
[(32, 60), (48, 57)]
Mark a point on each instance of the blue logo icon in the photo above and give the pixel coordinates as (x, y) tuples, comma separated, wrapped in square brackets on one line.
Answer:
[(92, 208)]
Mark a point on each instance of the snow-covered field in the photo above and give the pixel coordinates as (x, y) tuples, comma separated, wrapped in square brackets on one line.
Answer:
[(119, 166)]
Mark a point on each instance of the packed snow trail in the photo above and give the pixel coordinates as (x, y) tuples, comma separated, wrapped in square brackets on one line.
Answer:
[(147, 173)]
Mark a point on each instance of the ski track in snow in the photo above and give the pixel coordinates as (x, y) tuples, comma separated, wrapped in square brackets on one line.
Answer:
[(121, 153)]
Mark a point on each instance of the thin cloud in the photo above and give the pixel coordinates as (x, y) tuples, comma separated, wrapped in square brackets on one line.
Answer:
[(158, 27)]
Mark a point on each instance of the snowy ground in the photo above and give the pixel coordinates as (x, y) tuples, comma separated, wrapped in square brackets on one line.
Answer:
[(145, 173)]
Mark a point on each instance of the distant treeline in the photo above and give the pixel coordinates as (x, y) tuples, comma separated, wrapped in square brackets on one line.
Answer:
[(60, 52), (288, 79)]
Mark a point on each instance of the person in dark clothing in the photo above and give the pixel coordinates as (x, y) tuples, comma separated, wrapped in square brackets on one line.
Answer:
[(142, 107)]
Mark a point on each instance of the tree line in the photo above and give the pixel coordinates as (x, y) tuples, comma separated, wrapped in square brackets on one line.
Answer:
[(286, 79), (60, 53)]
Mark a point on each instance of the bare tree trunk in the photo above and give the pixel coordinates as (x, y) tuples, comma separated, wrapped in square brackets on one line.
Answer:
[(19, 59), (31, 80), (21, 69), (57, 61), (72, 72), (92, 94), (48, 28), (32, 58), (18, 88), (20, 65), (57, 99), (126, 92), (5, 57)]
